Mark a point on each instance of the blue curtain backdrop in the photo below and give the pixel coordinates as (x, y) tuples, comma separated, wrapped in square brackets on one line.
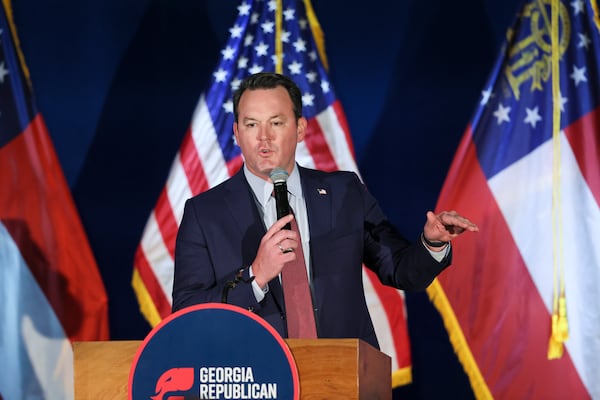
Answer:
[(117, 82)]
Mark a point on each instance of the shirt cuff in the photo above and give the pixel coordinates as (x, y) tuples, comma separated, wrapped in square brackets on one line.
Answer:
[(437, 255), (260, 293)]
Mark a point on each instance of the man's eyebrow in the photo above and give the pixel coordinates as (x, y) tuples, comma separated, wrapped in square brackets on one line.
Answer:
[(270, 118)]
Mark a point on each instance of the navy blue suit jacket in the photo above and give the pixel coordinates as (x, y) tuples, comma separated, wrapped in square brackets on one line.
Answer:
[(221, 230)]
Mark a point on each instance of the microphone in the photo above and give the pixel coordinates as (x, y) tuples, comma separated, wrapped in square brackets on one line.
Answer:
[(279, 178)]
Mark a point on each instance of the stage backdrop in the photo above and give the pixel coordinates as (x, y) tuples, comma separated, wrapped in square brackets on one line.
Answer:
[(117, 82)]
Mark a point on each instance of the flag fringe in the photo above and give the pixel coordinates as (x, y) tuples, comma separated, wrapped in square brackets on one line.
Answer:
[(147, 306), (15, 37), (594, 5), (401, 377), (317, 32), (459, 343)]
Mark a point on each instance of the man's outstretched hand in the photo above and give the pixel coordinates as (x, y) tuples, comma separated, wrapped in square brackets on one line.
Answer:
[(446, 225)]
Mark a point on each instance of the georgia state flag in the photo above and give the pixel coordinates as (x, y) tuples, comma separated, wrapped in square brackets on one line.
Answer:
[(51, 292), (528, 173)]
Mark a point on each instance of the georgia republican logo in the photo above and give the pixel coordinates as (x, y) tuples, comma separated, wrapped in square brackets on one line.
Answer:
[(213, 351), (214, 383)]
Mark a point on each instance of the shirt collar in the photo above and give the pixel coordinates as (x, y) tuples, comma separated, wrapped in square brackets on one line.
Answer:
[(262, 189)]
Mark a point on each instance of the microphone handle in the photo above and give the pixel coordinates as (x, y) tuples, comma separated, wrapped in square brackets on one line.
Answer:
[(281, 202)]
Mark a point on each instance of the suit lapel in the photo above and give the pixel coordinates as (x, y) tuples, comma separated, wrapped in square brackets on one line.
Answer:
[(317, 195), (245, 215)]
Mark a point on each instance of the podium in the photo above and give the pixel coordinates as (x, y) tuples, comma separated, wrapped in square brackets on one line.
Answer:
[(328, 369)]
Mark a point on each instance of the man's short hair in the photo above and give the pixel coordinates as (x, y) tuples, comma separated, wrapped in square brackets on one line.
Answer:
[(269, 80)]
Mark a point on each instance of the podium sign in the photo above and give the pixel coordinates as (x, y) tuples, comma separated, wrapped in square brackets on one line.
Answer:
[(213, 351)]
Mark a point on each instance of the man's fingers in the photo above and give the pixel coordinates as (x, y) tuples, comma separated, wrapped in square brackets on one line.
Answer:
[(450, 221), (284, 240), (455, 223), (279, 224)]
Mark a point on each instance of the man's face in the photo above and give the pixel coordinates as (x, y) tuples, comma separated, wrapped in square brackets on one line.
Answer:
[(266, 130)]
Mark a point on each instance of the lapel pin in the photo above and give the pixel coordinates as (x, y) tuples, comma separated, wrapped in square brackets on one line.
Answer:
[(321, 191)]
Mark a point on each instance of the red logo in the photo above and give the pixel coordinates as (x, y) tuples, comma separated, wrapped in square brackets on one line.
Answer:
[(174, 380)]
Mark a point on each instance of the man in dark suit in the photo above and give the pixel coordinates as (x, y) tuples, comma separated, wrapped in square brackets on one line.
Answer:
[(231, 247)]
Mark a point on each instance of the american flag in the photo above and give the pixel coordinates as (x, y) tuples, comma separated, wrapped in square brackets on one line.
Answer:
[(521, 303), (282, 36)]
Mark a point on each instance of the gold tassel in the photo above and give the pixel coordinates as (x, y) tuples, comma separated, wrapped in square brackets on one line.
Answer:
[(555, 347), (563, 324), (560, 330)]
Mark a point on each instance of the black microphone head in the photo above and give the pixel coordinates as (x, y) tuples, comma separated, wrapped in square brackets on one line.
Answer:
[(279, 178), (278, 175)]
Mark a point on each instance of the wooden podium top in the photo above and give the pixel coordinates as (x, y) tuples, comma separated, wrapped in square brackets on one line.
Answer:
[(328, 369)]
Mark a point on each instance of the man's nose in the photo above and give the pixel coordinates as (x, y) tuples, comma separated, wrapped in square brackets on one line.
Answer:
[(264, 133)]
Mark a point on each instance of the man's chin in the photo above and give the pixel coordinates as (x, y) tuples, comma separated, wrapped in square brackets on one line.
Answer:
[(264, 170)]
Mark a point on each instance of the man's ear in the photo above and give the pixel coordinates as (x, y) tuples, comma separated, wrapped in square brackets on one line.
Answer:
[(301, 130), (235, 132)]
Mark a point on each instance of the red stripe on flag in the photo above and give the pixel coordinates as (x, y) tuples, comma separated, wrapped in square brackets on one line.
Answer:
[(341, 117), (37, 208), (165, 219), (234, 165), (192, 165), (583, 137), (393, 304), (153, 287), (491, 292), (318, 147)]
